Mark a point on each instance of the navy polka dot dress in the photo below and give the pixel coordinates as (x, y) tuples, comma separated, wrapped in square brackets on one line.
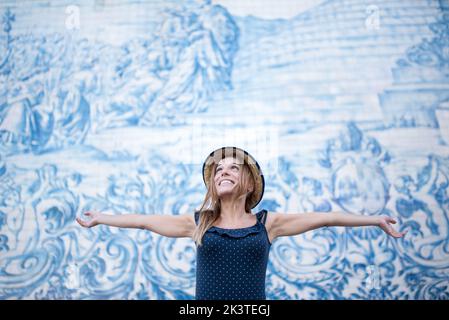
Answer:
[(231, 263)]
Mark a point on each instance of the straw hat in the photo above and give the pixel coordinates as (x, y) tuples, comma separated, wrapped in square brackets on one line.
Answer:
[(240, 155)]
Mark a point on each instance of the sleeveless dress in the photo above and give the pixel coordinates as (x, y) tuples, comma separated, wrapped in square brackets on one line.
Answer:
[(231, 263)]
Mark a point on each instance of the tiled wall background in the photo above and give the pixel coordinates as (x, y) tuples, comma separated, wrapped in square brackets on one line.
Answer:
[(114, 105)]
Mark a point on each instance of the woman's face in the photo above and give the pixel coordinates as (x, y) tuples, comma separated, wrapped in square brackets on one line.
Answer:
[(227, 176)]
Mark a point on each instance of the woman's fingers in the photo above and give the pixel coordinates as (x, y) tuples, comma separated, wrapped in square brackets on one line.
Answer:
[(83, 223), (399, 234), (388, 228)]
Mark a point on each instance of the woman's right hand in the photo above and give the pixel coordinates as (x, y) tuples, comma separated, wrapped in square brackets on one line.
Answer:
[(92, 219)]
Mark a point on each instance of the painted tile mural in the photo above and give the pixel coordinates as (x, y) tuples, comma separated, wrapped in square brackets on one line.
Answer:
[(113, 106)]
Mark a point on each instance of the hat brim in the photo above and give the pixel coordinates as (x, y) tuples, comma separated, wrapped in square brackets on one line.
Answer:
[(244, 157)]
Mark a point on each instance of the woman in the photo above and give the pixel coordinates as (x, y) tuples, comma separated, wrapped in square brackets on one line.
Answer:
[(232, 243)]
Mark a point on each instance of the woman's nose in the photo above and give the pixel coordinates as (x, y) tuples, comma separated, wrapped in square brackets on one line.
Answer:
[(224, 171)]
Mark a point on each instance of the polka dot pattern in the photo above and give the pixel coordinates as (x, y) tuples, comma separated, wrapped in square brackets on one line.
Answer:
[(231, 263)]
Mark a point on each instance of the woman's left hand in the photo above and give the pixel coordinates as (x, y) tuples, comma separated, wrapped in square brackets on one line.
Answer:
[(385, 225)]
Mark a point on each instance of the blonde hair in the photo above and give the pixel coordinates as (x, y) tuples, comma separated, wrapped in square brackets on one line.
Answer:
[(211, 207)]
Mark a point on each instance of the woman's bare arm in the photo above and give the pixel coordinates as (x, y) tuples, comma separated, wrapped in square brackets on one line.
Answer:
[(166, 225), (282, 224)]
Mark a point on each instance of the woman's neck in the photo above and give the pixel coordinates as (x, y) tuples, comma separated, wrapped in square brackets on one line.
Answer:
[(232, 212)]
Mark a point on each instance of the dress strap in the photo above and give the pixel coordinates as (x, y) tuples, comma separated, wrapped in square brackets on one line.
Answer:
[(197, 216), (262, 216)]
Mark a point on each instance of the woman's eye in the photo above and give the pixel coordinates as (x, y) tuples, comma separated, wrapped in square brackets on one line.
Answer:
[(233, 167)]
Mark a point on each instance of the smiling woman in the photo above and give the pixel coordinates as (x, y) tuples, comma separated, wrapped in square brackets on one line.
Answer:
[(228, 204), (233, 244)]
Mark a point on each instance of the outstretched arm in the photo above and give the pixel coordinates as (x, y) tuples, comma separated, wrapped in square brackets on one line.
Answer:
[(283, 224), (165, 225)]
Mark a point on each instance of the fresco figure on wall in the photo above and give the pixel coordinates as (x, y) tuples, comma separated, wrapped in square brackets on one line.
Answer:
[(200, 45)]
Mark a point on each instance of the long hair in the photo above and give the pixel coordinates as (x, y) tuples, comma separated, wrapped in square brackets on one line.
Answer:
[(211, 208)]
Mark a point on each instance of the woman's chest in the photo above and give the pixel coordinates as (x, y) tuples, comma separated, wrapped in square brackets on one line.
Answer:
[(219, 246)]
